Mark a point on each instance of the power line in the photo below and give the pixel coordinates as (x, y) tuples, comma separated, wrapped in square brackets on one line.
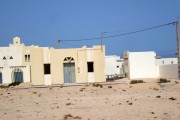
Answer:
[(123, 34)]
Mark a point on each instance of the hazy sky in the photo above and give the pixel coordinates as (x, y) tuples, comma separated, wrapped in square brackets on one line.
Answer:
[(43, 22)]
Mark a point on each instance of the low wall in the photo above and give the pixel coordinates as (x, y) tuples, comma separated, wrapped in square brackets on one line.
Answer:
[(168, 71)]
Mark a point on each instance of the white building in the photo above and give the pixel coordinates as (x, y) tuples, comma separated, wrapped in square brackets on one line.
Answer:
[(11, 68), (166, 61), (167, 67), (143, 65), (114, 67)]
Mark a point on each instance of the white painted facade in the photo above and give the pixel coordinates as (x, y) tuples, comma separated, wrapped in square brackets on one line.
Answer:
[(168, 71), (166, 61), (114, 66), (46, 54), (11, 60), (141, 65), (90, 59)]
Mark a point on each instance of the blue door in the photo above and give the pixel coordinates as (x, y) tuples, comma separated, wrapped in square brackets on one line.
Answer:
[(18, 77), (69, 73), (0, 77)]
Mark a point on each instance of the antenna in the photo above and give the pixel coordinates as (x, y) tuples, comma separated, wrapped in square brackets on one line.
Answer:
[(58, 44)]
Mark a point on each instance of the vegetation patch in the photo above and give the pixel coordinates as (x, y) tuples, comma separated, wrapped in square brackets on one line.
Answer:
[(3, 86), (162, 80), (97, 85), (14, 84), (109, 86), (172, 98), (69, 116), (136, 81)]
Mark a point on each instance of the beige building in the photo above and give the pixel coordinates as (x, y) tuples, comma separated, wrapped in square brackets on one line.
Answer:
[(48, 66)]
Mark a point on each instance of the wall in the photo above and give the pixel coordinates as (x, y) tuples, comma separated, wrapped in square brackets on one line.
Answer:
[(8, 71), (37, 68), (166, 61), (142, 65), (99, 64), (112, 65), (168, 71), (15, 52)]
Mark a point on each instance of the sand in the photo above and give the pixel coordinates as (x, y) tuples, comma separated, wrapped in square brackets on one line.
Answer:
[(144, 101)]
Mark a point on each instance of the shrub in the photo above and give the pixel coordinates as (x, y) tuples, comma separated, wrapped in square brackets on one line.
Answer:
[(14, 84), (136, 81), (162, 80)]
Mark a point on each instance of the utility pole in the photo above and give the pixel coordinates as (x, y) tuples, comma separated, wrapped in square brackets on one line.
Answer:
[(102, 40), (58, 44), (177, 40)]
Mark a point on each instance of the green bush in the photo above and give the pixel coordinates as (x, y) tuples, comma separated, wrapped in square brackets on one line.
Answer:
[(162, 80), (136, 81)]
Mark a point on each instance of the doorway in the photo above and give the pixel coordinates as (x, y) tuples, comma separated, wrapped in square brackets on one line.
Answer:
[(18, 75), (0, 77), (69, 73)]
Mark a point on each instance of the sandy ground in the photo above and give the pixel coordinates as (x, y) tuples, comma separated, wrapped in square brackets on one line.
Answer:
[(144, 101)]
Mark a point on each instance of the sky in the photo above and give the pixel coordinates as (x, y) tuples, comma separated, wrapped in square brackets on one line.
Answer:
[(44, 22)]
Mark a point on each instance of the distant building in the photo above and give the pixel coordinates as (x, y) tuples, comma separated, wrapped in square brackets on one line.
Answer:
[(47, 66), (114, 67)]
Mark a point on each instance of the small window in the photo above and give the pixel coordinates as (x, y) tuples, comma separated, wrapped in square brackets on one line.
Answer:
[(172, 62), (47, 69), (117, 66), (27, 58), (4, 58), (11, 57), (90, 66), (162, 62)]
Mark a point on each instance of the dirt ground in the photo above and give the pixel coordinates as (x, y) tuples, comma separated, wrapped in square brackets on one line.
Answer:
[(143, 101)]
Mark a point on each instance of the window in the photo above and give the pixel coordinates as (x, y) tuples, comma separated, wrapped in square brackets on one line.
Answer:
[(162, 62), (117, 66), (171, 62), (47, 69), (27, 58), (90, 66)]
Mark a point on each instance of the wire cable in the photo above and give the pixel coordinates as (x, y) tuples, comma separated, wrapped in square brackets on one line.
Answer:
[(123, 34)]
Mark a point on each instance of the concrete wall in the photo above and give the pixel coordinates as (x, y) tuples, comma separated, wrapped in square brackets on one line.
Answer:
[(37, 67), (113, 66), (15, 52), (7, 73), (99, 64), (168, 71), (166, 61), (81, 56), (142, 65)]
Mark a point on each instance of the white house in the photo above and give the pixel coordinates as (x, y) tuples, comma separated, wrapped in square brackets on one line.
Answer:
[(143, 65), (11, 68), (114, 66)]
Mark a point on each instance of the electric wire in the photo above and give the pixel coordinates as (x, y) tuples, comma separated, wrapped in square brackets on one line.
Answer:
[(123, 34)]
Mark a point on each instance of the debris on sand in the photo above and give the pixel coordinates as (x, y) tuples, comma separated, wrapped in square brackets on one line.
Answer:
[(69, 116), (158, 96), (97, 85), (172, 98), (109, 86)]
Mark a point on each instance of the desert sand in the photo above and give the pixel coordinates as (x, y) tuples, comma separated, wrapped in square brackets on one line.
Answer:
[(111, 101)]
